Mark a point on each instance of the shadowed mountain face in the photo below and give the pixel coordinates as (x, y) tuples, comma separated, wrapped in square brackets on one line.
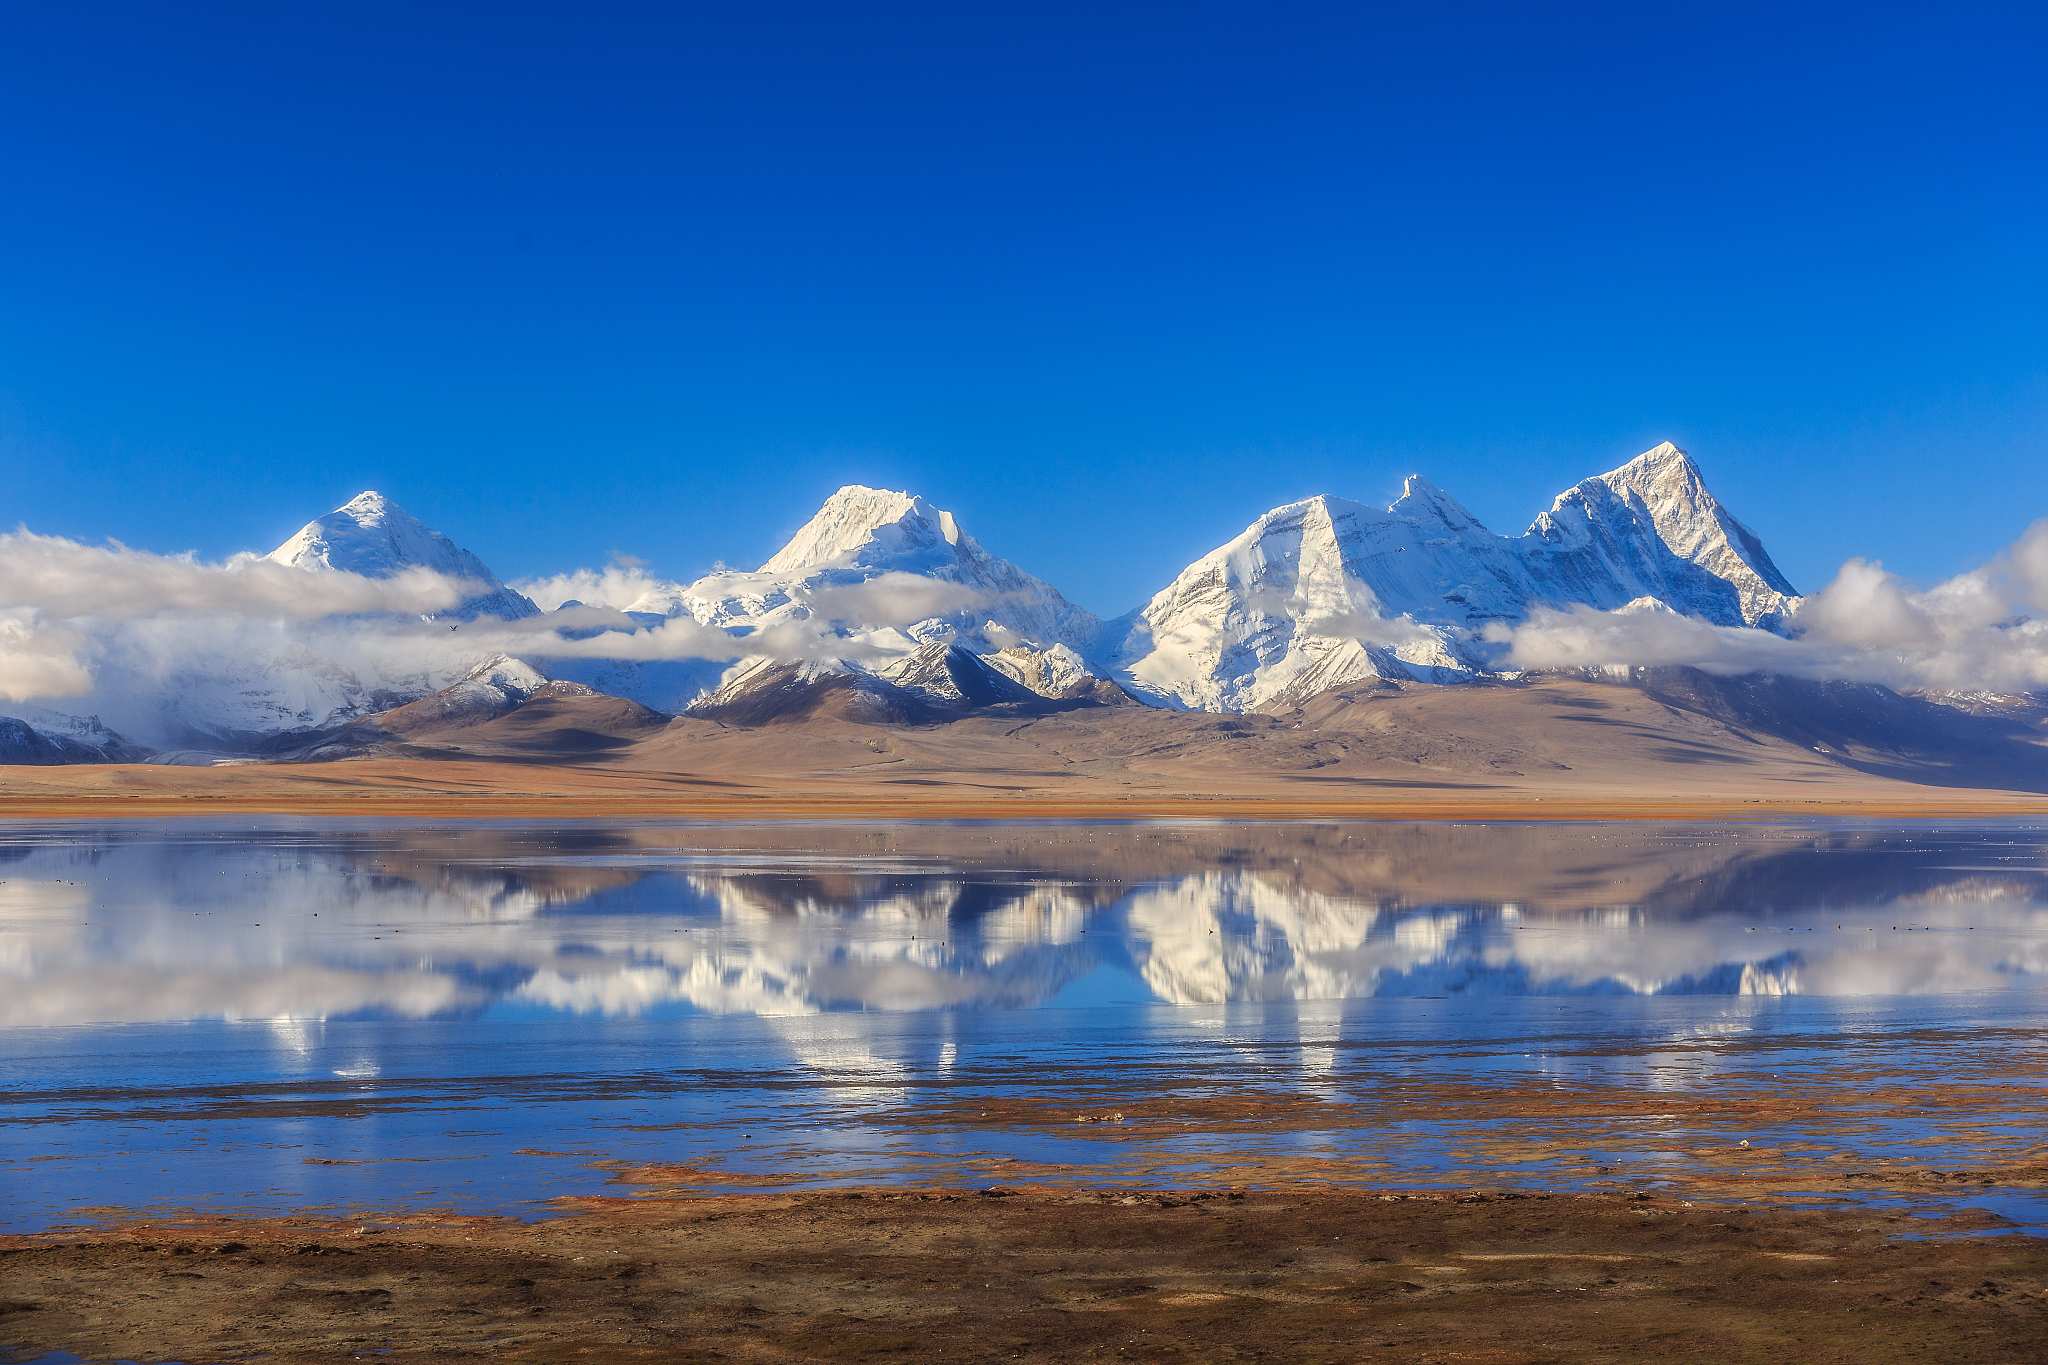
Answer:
[(503, 708), (934, 684), (1869, 728), (322, 921), (1661, 734)]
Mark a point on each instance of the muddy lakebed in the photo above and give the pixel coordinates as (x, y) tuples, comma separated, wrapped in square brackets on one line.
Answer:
[(258, 1019)]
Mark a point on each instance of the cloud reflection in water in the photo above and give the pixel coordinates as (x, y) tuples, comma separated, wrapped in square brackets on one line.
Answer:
[(160, 924)]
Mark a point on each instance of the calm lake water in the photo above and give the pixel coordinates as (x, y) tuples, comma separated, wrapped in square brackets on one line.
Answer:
[(258, 1017)]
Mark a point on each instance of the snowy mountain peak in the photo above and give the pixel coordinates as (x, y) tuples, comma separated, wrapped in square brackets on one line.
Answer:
[(861, 533), (373, 536), (862, 526), (1663, 455), (369, 508), (1325, 593), (1430, 505), (1654, 518), (851, 572)]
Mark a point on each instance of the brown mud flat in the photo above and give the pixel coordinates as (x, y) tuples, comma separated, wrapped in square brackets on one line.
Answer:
[(1292, 1274)]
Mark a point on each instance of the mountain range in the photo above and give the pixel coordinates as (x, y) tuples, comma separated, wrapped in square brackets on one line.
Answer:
[(882, 608)]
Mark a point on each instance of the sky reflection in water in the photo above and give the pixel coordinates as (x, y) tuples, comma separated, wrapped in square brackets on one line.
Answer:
[(481, 1016)]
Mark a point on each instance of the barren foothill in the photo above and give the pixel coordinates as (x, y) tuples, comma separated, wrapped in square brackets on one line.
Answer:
[(1551, 748)]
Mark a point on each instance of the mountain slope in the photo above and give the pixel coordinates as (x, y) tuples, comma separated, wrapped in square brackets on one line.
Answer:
[(373, 536), (1326, 592), (1651, 529), (862, 534), (869, 581), (501, 709), (229, 688)]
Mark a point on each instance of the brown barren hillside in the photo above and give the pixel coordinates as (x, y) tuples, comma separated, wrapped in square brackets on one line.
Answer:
[(1669, 745)]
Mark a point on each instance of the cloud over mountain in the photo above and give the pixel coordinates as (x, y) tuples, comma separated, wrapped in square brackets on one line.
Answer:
[(1969, 633), (65, 605), (367, 607)]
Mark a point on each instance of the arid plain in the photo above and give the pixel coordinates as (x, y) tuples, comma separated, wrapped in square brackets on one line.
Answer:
[(1682, 742)]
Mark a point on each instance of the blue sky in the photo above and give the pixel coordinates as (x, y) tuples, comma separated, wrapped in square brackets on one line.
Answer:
[(1107, 280)]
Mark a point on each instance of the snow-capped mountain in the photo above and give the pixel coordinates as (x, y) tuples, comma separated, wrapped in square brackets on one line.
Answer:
[(883, 604), (320, 682), (1651, 529), (375, 537), (1326, 592), (862, 534), (870, 581), (210, 688)]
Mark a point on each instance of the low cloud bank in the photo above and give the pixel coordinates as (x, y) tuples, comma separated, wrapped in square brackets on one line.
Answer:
[(811, 622), (1970, 633), (622, 584), (131, 629), (59, 578), (135, 630), (66, 606)]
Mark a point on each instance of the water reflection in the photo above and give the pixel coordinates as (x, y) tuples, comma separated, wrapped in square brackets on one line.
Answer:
[(313, 920)]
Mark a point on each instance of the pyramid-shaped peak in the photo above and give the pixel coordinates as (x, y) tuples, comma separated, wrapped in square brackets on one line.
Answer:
[(1662, 476), (373, 536), (1424, 501), (859, 519), (371, 508), (1663, 460)]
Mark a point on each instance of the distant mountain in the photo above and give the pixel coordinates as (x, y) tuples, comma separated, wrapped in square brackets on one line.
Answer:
[(375, 537), (883, 607), (841, 578), (1317, 594), (861, 534), (501, 699), (235, 702), (1326, 592), (198, 703)]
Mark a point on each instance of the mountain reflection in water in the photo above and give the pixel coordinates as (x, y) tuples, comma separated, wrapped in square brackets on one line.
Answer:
[(311, 919)]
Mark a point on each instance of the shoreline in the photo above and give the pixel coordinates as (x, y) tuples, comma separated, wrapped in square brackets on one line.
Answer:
[(481, 791), (1044, 1274), (1221, 809)]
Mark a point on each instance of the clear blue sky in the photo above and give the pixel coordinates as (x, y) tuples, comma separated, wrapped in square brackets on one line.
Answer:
[(1108, 280)]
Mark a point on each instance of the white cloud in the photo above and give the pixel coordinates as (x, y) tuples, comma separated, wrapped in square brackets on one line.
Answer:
[(890, 599), (1969, 633), (619, 585), (64, 579), (67, 609), (1358, 617), (40, 660)]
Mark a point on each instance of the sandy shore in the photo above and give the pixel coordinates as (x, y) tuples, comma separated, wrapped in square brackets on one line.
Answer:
[(459, 789), (1047, 1275)]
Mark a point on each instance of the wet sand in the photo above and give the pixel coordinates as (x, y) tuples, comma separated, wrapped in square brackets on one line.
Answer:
[(1047, 1275)]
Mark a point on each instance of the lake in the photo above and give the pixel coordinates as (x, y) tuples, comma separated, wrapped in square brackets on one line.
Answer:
[(258, 1016)]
